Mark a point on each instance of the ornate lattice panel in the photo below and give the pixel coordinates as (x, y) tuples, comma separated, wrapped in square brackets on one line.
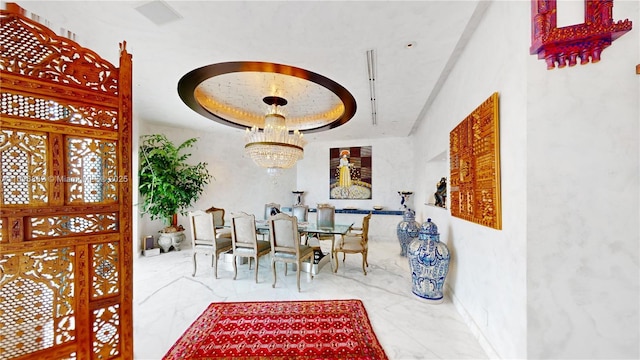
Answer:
[(23, 160), (106, 332), (65, 225), (92, 175), (474, 148), (105, 274), (36, 301), (28, 48), (37, 108), (65, 222)]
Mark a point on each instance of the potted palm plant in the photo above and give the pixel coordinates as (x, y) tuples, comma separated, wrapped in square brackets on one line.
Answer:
[(168, 184)]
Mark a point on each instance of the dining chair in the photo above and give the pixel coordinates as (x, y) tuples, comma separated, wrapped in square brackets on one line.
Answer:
[(354, 242), (301, 212), (204, 239), (268, 209), (218, 221), (326, 214), (285, 245), (245, 242)]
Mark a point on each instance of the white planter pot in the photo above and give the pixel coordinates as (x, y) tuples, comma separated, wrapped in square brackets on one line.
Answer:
[(168, 240)]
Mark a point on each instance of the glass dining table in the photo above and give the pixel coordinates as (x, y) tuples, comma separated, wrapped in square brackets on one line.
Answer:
[(311, 229)]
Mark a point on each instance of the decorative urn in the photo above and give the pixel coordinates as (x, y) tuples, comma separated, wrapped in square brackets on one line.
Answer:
[(407, 230), (429, 263)]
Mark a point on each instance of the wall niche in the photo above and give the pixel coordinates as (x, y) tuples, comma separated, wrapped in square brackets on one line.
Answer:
[(436, 169)]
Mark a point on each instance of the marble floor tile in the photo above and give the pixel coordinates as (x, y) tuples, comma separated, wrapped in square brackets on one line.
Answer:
[(167, 299)]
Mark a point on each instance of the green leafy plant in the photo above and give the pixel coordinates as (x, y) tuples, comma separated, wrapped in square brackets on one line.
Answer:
[(168, 184)]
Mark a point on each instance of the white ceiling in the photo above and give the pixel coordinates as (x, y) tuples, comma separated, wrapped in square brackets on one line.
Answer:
[(330, 38)]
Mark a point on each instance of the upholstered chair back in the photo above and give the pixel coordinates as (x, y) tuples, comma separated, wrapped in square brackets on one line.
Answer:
[(301, 212), (326, 215)]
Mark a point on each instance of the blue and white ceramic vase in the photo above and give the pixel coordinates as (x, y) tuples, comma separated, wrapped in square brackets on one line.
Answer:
[(429, 263), (407, 230)]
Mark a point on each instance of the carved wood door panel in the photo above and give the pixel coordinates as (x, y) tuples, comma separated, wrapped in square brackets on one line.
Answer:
[(65, 197)]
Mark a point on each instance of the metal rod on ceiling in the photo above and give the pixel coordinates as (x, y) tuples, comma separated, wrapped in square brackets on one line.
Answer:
[(371, 65)]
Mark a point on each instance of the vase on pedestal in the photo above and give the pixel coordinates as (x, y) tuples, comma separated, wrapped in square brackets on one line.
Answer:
[(429, 263), (405, 196), (297, 197)]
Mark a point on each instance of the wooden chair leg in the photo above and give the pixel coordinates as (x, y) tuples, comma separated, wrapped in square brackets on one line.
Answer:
[(235, 267), (194, 264), (337, 262), (273, 269), (298, 275), (257, 263), (214, 261), (364, 260)]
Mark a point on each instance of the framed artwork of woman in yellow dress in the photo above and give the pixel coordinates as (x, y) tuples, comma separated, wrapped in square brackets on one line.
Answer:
[(350, 173)]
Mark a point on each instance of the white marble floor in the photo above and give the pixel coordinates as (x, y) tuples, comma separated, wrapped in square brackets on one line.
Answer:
[(167, 299)]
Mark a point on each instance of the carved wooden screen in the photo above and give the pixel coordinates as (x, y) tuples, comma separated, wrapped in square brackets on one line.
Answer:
[(65, 199), (474, 152)]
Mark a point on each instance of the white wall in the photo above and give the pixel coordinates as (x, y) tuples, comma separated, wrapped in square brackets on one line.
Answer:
[(561, 280), (393, 167), (239, 184), (488, 266), (582, 195)]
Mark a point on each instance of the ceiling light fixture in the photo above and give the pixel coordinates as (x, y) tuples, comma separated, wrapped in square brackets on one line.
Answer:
[(274, 147), (371, 66), (229, 94)]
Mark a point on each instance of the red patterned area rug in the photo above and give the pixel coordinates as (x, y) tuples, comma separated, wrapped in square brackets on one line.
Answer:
[(318, 329)]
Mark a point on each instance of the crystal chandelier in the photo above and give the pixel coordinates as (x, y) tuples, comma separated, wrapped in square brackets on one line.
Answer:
[(274, 147)]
